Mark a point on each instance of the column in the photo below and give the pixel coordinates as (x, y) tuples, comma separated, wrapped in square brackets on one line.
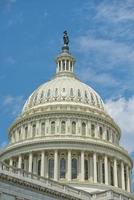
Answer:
[(35, 164), (30, 130), (96, 131), (65, 65), (56, 165), (104, 133), (106, 169), (128, 178), (22, 132), (122, 176), (82, 166), (115, 173), (11, 162), (95, 167), (42, 163), (30, 162), (69, 166), (19, 161)]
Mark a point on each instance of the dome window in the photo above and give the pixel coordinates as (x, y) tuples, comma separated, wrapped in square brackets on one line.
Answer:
[(73, 127), (53, 127), (74, 168), (64, 90), (86, 169), (51, 168), (62, 168), (101, 132), (83, 128), (42, 128), (92, 130), (63, 127)]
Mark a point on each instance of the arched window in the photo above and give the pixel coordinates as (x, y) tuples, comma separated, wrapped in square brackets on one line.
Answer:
[(73, 127), (92, 130), (20, 134), (62, 168), (71, 92), (74, 168), (53, 127), (63, 127), (101, 132), (51, 168), (86, 169), (83, 128), (26, 132), (34, 130), (39, 167), (43, 128)]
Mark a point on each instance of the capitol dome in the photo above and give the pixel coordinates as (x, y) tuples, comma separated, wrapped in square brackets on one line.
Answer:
[(64, 133), (64, 88)]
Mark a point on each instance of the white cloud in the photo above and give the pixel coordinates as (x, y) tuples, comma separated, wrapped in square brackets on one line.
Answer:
[(86, 73), (122, 111), (116, 52), (116, 11)]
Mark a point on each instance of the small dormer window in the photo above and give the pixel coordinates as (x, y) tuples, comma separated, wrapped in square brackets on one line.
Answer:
[(42, 94), (63, 90), (56, 92), (86, 95), (92, 99), (48, 93)]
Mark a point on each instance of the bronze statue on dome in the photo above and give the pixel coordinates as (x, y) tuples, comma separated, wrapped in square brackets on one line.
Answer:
[(65, 38)]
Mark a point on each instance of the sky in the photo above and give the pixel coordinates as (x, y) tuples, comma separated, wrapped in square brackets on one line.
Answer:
[(101, 39)]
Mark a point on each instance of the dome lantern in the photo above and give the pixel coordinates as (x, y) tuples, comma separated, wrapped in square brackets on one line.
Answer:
[(65, 61)]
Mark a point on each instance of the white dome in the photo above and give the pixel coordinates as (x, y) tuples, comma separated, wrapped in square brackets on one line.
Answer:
[(64, 88)]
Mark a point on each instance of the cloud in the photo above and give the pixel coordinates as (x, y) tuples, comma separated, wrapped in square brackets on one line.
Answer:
[(117, 11), (87, 73), (116, 52), (122, 110), (13, 104)]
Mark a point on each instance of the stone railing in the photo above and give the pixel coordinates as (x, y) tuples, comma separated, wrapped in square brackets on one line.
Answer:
[(82, 195)]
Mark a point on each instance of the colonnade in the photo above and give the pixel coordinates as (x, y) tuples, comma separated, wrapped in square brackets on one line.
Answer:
[(80, 166)]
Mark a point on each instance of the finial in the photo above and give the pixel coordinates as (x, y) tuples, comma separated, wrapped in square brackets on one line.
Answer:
[(65, 38), (65, 47)]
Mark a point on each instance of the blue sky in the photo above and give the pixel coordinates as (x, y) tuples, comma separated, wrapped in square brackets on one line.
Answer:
[(101, 38)]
